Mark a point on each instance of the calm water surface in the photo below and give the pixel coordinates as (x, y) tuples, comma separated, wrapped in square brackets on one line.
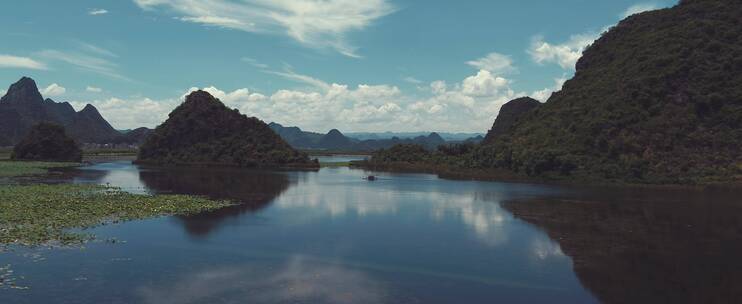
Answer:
[(332, 237)]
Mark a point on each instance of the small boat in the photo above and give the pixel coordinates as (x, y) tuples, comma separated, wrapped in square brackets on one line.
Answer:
[(371, 178)]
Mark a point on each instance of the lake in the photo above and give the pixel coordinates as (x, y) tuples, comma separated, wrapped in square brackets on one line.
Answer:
[(332, 237)]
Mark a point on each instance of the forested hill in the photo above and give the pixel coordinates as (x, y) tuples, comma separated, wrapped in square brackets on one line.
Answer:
[(203, 131), (657, 98)]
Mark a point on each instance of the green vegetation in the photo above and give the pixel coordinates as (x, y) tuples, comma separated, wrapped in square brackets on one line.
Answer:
[(203, 131), (25, 168), (335, 164), (657, 99), (38, 214), (47, 142)]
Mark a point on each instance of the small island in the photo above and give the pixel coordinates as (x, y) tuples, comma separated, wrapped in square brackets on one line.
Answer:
[(203, 131)]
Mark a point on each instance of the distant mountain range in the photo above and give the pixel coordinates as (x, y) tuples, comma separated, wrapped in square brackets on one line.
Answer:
[(22, 107), (448, 136), (337, 141)]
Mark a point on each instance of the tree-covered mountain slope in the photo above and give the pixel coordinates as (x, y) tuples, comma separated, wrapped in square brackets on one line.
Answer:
[(203, 131), (658, 98)]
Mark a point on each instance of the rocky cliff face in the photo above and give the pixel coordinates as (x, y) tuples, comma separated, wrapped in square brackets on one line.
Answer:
[(89, 126), (510, 113)]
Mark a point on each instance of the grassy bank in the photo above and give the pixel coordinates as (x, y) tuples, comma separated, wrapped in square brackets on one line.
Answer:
[(39, 214), (25, 168)]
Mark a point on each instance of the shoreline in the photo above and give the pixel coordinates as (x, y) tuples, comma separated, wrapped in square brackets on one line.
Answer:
[(311, 166), (505, 176)]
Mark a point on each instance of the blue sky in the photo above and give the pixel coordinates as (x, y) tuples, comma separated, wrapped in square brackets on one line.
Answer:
[(375, 65)]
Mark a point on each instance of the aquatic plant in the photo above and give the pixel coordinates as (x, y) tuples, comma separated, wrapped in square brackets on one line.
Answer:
[(25, 168), (39, 214)]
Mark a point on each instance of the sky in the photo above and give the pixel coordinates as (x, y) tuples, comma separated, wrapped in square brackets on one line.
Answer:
[(372, 65)]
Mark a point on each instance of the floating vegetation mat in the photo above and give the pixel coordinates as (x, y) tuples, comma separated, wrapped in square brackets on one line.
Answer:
[(45, 214), (25, 168)]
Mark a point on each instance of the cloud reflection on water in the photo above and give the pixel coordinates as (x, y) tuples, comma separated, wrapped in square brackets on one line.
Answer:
[(298, 280)]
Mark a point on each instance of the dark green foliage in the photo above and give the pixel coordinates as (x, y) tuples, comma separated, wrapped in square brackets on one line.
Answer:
[(402, 153), (456, 149), (446, 156), (202, 130), (656, 99), (47, 142)]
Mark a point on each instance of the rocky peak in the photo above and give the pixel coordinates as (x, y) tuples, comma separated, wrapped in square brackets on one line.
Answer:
[(509, 114), (335, 132), (90, 110), (435, 137), (23, 91)]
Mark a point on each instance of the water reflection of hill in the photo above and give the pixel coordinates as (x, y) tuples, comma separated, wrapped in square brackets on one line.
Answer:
[(648, 246), (252, 189)]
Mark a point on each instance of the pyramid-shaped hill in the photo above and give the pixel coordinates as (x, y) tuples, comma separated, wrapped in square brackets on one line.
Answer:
[(335, 140), (203, 131), (657, 99)]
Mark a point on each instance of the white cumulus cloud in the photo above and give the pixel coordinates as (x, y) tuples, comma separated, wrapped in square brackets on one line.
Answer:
[(544, 94), (53, 90), (132, 112), (494, 62), (470, 104), (564, 54), (483, 84)]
